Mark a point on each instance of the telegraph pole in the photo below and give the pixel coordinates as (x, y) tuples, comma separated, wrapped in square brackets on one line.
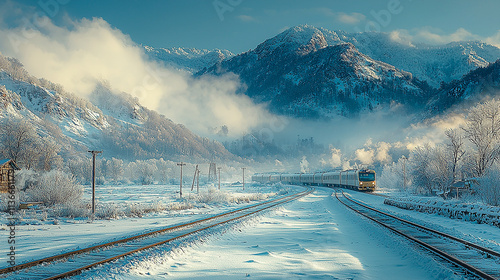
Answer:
[(194, 177), (94, 153), (198, 182), (181, 164), (404, 172), (219, 168), (243, 177)]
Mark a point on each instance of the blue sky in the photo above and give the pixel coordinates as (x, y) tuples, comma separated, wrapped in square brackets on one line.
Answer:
[(240, 25)]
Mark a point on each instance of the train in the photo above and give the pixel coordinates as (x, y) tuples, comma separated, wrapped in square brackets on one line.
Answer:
[(356, 179)]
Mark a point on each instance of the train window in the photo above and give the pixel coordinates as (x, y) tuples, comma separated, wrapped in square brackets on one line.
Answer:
[(367, 176)]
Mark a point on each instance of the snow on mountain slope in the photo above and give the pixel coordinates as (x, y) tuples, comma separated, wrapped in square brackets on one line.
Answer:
[(188, 59), (432, 64), (299, 74), (123, 127), (314, 72), (473, 87)]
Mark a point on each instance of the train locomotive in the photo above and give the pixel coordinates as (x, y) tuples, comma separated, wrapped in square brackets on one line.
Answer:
[(356, 179)]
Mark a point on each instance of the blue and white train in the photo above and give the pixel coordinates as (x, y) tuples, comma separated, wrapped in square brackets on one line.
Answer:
[(362, 180)]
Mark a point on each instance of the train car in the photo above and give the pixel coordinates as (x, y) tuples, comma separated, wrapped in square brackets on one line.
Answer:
[(318, 178), (362, 180), (261, 178), (274, 178), (367, 180), (307, 179)]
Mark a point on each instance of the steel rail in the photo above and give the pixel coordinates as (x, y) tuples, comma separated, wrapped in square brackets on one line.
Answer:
[(79, 270), (465, 242), (277, 201), (437, 251)]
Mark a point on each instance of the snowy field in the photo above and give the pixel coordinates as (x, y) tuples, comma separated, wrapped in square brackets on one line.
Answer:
[(136, 209), (314, 237)]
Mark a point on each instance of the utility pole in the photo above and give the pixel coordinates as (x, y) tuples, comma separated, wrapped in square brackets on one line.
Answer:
[(404, 172), (94, 153), (243, 177), (198, 182), (181, 164), (219, 168), (194, 177)]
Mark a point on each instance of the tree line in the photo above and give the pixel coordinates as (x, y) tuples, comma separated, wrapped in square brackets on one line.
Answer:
[(471, 152)]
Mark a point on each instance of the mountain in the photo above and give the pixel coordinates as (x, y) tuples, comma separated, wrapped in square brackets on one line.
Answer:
[(433, 64), (317, 73), (114, 122), (298, 73), (430, 63), (473, 87), (188, 59)]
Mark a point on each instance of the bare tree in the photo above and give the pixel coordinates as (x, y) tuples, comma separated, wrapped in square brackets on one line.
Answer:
[(114, 169), (440, 169), (18, 141), (48, 155), (489, 190), (457, 149), (420, 162), (483, 130)]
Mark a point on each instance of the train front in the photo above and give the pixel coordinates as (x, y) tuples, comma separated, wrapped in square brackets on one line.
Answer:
[(367, 180)]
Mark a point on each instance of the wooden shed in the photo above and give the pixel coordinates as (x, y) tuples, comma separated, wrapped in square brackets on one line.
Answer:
[(7, 178)]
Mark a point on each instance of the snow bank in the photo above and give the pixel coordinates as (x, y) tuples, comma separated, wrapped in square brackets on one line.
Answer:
[(453, 209)]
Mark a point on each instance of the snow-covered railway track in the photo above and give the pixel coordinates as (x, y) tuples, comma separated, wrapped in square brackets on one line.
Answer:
[(74, 262), (466, 258)]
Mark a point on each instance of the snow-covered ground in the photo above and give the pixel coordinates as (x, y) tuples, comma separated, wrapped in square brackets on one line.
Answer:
[(314, 237), (39, 235)]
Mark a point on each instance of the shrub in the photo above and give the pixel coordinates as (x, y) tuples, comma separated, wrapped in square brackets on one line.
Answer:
[(56, 187)]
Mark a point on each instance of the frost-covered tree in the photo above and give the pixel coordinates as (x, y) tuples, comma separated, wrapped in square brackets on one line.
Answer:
[(395, 176), (483, 131), (419, 167), (81, 169), (114, 169), (440, 169), (48, 155), (431, 169), (144, 171), (489, 189), (456, 148), (19, 142), (55, 187)]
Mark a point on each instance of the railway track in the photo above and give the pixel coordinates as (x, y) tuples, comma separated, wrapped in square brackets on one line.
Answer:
[(74, 262), (465, 258)]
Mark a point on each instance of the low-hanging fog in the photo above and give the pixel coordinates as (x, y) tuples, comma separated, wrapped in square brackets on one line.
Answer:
[(84, 53)]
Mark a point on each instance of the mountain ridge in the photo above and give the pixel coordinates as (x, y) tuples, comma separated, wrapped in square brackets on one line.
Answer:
[(123, 127)]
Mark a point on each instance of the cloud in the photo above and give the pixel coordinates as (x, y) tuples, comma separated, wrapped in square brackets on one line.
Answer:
[(351, 18), (435, 36), (365, 156), (246, 18), (432, 130), (336, 158), (347, 18), (382, 152), (304, 165), (88, 51)]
